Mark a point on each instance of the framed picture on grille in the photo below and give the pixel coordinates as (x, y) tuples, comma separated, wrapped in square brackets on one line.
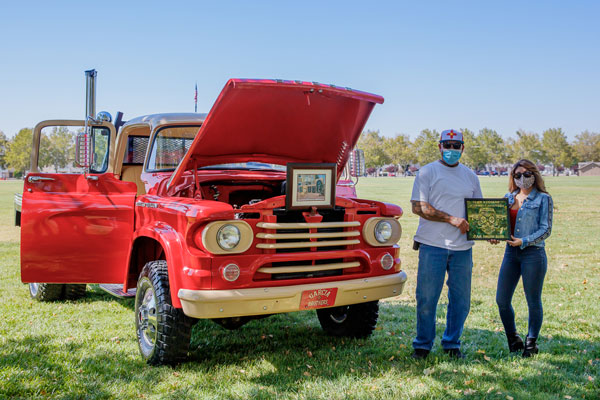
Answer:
[(310, 185)]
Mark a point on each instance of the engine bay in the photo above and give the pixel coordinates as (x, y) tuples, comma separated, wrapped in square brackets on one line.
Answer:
[(237, 189), (238, 194)]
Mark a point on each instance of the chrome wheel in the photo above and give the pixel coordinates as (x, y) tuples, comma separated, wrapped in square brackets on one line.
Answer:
[(146, 319), (33, 289)]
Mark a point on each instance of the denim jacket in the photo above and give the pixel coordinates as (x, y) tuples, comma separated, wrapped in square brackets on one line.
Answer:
[(534, 219)]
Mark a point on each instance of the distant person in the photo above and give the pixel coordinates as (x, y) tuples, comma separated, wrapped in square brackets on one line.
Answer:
[(438, 198), (525, 256)]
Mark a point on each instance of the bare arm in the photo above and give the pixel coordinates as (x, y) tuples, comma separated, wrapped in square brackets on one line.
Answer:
[(427, 211)]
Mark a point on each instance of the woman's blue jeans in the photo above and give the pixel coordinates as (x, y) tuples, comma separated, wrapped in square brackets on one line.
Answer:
[(531, 264), (434, 262)]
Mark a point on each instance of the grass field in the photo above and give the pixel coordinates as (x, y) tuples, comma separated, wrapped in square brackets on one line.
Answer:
[(87, 349)]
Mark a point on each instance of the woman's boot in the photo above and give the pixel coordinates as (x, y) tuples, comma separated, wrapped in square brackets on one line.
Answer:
[(515, 343), (530, 347)]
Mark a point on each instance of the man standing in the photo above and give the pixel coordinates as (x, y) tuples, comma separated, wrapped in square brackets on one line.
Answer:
[(438, 198)]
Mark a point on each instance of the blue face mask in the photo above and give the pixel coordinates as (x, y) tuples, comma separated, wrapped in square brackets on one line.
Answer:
[(451, 157)]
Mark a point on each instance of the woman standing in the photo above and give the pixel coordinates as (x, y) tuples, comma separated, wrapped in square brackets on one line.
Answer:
[(531, 223)]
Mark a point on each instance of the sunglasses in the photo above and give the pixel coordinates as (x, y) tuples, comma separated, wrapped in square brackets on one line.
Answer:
[(455, 146), (526, 174)]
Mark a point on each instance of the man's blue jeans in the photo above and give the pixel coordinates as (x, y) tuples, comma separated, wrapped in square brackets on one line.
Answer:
[(434, 262)]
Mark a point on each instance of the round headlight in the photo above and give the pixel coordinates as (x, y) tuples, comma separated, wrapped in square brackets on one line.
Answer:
[(228, 237), (383, 231)]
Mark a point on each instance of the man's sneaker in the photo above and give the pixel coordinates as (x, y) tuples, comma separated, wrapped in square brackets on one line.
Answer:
[(454, 353), (420, 354)]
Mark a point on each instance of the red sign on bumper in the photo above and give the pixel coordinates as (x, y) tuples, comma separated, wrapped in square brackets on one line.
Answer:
[(318, 298)]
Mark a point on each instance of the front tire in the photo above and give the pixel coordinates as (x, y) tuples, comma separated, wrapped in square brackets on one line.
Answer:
[(46, 291), (163, 331), (356, 320)]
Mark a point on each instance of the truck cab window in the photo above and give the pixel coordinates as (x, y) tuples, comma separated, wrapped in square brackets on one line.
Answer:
[(57, 150), (100, 147)]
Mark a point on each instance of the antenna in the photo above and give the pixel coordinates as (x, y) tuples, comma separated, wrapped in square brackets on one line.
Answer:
[(196, 98)]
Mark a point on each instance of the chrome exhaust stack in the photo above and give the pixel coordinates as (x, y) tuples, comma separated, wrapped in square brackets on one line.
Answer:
[(83, 142), (90, 94)]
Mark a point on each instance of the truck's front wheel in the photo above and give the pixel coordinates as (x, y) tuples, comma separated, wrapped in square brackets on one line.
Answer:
[(356, 320), (163, 331)]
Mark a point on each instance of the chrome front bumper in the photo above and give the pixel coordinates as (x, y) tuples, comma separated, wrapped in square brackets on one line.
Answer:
[(282, 299)]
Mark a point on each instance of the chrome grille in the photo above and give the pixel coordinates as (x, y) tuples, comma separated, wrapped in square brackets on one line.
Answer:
[(301, 236), (308, 268), (291, 234)]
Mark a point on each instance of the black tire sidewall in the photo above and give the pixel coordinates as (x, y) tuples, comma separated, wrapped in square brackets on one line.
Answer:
[(173, 327), (48, 292), (360, 320)]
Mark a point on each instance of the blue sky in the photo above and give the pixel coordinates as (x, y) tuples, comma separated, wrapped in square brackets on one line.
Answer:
[(447, 64)]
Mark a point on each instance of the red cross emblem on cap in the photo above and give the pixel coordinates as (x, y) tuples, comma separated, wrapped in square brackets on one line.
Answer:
[(452, 134)]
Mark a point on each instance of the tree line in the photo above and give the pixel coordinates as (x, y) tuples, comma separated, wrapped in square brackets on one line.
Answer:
[(57, 149), (483, 149)]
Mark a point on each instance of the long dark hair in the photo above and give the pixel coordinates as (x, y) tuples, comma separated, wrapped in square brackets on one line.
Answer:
[(529, 166)]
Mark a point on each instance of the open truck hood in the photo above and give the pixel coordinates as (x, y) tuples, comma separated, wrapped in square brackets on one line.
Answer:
[(275, 121)]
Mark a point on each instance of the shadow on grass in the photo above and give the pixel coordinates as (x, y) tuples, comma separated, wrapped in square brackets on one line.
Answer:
[(298, 350), (100, 295), (95, 294), (92, 294), (286, 351), (562, 369)]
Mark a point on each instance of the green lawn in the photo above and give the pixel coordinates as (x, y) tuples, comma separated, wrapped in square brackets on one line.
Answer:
[(87, 349)]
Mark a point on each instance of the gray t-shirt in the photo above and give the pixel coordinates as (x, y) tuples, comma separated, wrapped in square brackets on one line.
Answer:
[(446, 189)]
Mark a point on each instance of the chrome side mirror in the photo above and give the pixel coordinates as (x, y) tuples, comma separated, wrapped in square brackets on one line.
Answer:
[(104, 116)]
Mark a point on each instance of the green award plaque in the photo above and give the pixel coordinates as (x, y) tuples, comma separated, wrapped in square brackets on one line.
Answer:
[(488, 219)]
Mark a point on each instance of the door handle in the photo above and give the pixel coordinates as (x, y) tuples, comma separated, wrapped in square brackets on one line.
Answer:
[(91, 177), (35, 179)]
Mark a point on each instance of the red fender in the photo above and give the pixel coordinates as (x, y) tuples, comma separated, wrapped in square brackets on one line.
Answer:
[(173, 244)]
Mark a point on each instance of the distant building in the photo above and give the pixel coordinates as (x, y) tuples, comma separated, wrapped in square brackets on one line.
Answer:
[(589, 168), (5, 174)]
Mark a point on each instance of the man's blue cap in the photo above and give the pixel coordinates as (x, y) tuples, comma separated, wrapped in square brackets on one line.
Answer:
[(451, 134)]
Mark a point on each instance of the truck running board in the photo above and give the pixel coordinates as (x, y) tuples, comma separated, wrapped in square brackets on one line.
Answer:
[(116, 289)]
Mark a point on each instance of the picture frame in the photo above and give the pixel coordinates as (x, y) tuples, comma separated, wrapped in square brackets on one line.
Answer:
[(310, 185), (488, 219)]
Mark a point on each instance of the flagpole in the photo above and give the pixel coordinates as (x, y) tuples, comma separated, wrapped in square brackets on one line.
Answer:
[(196, 98)]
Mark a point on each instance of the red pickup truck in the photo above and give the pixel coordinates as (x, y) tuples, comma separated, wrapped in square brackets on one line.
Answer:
[(229, 216)]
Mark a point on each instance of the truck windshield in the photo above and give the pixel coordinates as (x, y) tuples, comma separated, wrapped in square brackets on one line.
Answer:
[(169, 146), (171, 143)]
